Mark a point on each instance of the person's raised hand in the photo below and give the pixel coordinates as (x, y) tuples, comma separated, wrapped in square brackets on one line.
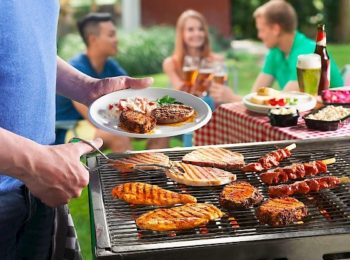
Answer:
[(104, 86), (222, 94), (55, 173)]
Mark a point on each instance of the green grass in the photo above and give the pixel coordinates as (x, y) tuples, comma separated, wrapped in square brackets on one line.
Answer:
[(248, 67)]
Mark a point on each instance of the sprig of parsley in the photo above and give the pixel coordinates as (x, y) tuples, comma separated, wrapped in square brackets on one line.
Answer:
[(166, 100)]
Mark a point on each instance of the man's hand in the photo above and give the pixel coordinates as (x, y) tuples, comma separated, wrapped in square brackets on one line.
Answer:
[(55, 174), (104, 86), (79, 87)]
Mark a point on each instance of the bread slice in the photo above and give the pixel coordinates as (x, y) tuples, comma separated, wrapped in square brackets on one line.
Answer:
[(264, 91), (260, 100)]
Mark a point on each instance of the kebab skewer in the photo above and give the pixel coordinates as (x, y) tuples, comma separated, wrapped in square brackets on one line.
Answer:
[(295, 171), (307, 186), (269, 160)]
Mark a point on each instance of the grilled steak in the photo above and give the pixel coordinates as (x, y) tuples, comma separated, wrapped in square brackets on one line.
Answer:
[(179, 218), (281, 211), (193, 175), (173, 113), (215, 157), (147, 194), (128, 164), (240, 194), (136, 122)]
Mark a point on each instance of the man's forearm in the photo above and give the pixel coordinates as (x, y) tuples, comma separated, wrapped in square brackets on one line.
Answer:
[(17, 158), (72, 83)]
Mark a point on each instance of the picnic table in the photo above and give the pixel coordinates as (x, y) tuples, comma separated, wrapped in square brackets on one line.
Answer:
[(233, 123)]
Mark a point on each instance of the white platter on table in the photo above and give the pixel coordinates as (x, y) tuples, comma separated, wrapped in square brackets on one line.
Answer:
[(305, 102), (98, 112)]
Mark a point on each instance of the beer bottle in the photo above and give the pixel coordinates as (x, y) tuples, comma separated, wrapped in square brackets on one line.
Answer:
[(321, 49)]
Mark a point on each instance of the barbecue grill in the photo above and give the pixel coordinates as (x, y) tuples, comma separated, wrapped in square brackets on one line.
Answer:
[(324, 234)]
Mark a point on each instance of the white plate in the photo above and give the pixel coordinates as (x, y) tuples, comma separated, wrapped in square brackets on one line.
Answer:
[(99, 116), (305, 102)]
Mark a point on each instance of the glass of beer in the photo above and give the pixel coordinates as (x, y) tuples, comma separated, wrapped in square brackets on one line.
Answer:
[(190, 70), (205, 75), (220, 73), (309, 73)]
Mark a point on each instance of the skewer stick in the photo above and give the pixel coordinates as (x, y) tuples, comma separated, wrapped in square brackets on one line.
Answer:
[(344, 180), (291, 147), (329, 161)]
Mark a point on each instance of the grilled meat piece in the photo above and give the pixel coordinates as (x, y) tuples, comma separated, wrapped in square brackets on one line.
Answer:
[(215, 157), (128, 164), (193, 175), (173, 113), (136, 122), (292, 172), (306, 186), (240, 194), (281, 211), (269, 160), (179, 218), (146, 194)]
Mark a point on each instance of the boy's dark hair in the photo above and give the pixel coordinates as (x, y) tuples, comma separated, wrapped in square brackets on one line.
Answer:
[(89, 24), (278, 12)]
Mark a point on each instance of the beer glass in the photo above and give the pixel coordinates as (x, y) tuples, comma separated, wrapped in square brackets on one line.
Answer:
[(220, 73), (205, 75), (190, 70), (309, 73)]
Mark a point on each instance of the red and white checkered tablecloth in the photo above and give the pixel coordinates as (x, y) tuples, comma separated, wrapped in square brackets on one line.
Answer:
[(233, 123)]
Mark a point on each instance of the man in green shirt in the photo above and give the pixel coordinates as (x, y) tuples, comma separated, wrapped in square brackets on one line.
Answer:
[(276, 23)]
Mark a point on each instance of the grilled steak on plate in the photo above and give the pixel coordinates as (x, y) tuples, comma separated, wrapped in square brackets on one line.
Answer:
[(147, 194), (136, 122), (240, 194), (173, 113), (179, 218), (128, 164), (215, 157), (281, 211), (193, 175)]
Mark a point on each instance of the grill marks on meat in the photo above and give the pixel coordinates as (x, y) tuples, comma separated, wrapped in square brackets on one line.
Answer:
[(179, 218), (128, 164), (304, 187), (146, 194), (267, 161), (281, 211), (199, 176), (173, 113), (136, 122), (240, 194), (292, 172), (215, 157)]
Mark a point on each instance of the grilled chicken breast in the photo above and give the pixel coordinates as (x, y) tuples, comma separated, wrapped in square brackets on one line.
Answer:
[(128, 164), (174, 113), (215, 157), (281, 211), (179, 218), (146, 194), (240, 194), (193, 175)]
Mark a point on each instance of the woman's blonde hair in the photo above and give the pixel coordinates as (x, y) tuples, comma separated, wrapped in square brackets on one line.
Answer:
[(180, 47)]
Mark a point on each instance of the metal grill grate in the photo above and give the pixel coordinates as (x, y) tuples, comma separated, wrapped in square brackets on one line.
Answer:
[(329, 210)]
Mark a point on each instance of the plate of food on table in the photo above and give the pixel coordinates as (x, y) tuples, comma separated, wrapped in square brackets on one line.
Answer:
[(149, 113), (268, 98)]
